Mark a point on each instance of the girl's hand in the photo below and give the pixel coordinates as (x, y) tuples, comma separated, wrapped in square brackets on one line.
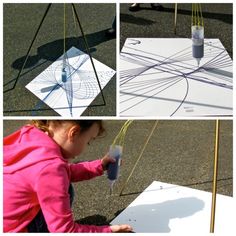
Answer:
[(121, 228), (106, 160)]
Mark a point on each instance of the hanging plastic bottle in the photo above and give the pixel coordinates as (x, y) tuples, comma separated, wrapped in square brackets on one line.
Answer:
[(63, 75), (115, 151), (113, 168), (198, 42), (197, 31)]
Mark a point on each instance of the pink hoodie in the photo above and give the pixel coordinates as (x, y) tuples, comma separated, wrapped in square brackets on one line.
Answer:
[(35, 175)]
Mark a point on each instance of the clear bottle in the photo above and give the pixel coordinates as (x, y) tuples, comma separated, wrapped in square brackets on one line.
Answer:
[(198, 42), (115, 152)]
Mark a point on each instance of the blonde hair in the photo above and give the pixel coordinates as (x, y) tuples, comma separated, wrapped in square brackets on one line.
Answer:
[(83, 124)]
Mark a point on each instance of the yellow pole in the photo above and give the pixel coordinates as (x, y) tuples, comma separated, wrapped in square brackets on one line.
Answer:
[(214, 186), (176, 7)]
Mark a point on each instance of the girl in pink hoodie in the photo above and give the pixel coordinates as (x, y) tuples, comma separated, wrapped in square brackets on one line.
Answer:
[(37, 176)]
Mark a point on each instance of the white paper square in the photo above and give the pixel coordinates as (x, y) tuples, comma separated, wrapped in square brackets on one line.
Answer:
[(71, 98), (159, 77), (168, 208)]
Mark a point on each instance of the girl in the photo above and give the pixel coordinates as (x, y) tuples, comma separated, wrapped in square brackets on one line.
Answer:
[(37, 176)]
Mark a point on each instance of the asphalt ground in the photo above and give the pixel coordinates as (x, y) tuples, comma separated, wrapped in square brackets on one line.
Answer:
[(149, 23), (179, 152), (20, 22)]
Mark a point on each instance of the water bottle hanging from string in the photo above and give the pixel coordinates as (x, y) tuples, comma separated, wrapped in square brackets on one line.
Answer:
[(115, 151), (197, 32)]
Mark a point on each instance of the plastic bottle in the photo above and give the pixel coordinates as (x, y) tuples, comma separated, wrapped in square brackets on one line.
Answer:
[(63, 75), (198, 42), (115, 152)]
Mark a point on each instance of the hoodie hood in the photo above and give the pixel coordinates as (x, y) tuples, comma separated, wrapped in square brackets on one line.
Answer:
[(26, 147)]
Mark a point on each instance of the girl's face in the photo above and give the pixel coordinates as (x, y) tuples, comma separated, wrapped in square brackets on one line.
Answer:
[(73, 142)]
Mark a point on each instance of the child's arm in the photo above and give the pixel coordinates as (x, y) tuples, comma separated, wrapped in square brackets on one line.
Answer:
[(87, 170), (52, 191)]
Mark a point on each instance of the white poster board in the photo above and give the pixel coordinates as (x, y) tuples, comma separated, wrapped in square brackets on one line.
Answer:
[(71, 97), (159, 77), (168, 208)]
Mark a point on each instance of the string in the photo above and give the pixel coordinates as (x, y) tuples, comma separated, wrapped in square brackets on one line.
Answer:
[(64, 46), (197, 18), (120, 138), (192, 15), (140, 155), (124, 130), (201, 14), (64, 40)]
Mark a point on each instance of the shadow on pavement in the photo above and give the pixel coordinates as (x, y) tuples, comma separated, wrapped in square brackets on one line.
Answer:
[(135, 20), (53, 50), (93, 220)]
